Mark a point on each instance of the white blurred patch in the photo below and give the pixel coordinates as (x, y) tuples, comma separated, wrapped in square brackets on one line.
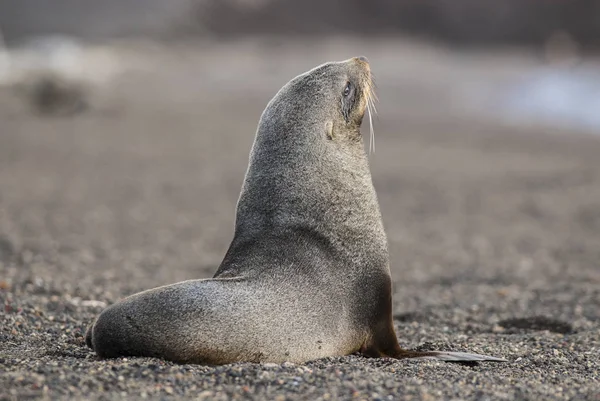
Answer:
[(59, 56), (568, 98)]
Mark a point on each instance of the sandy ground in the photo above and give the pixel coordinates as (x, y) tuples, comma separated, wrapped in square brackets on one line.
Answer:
[(494, 230)]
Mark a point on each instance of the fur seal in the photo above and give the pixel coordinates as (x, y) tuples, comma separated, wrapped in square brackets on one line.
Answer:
[(307, 273)]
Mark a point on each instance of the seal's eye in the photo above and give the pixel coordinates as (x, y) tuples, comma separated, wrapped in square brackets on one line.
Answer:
[(348, 100), (348, 89)]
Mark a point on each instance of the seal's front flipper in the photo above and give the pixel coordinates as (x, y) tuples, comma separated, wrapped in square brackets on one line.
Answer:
[(457, 357)]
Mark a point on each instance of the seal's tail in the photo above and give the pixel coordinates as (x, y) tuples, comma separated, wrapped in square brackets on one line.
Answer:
[(456, 357)]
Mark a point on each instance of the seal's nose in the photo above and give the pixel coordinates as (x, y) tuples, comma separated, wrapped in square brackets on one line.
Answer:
[(362, 58)]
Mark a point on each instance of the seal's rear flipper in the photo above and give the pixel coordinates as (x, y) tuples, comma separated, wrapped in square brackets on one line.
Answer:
[(384, 343), (394, 351), (458, 357)]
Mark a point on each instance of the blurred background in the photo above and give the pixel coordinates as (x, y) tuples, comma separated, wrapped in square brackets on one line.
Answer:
[(550, 78), (467, 22)]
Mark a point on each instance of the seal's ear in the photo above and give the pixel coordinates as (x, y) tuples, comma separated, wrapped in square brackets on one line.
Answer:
[(329, 130)]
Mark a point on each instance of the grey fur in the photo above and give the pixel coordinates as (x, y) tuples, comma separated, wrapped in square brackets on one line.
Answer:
[(306, 275)]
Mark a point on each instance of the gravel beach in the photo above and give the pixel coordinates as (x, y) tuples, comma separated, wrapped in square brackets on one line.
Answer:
[(494, 228)]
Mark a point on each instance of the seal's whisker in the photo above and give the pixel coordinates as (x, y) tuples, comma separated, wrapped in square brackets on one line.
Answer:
[(370, 97), (373, 93), (372, 132), (372, 104)]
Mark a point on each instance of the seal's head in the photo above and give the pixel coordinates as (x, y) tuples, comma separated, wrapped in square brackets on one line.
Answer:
[(330, 100)]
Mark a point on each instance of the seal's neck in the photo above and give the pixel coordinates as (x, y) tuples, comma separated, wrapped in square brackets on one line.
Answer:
[(313, 193)]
